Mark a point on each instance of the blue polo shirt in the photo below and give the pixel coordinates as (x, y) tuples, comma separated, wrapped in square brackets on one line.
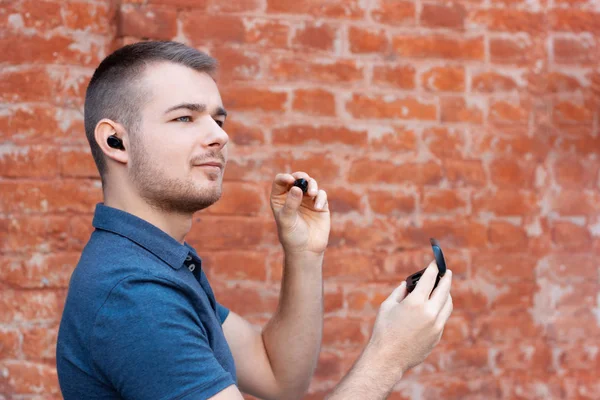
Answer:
[(140, 320)]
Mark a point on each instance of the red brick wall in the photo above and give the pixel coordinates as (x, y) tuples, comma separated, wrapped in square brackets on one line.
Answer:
[(472, 121)]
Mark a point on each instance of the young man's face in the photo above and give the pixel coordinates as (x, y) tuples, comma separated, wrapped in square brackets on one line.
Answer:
[(179, 133)]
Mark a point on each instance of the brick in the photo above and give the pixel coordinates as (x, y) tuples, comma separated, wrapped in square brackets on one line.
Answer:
[(567, 235), (368, 301), (25, 377), (439, 47), (238, 232), (247, 98), (390, 106), (266, 33), (320, 135), (246, 301), (243, 134), (80, 228), (510, 111), (373, 235), (31, 124), (525, 357), (451, 16), (341, 332), (10, 343), (31, 14), (343, 200), (239, 198), (328, 367), (579, 51), (393, 12), (333, 302), (493, 82), (346, 9), (501, 267), (236, 64), (465, 172), (574, 173), (320, 165), (180, 4), (577, 357), (572, 20), (575, 111), (314, 102), (44, 50), (30, 305), (90, 17), (573, 327), (38, 270), (504, 235), (506, 173), (506, 329), (400, 139), (28, 161), (444, 201), (77, 163), (47, 196), (39, 342), (459, 109), (400, 76), (575, 202), (201, 28), (315, 36), (509, 20), (505, 202), (59, 85), (444, 79), (147, 22), (464, 233), (236, 265), (560, 82), (367, 40), (334, 72), (391, 203), (518, 50), (346, 265), (365, 170), (217, 6), (445, 143), (34, 233), (405, 261)]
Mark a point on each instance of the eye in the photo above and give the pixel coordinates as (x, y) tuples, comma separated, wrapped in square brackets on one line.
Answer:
[(220, 123), (185, 118)]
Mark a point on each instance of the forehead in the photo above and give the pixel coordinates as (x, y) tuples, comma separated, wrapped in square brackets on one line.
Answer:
[(172, 84)]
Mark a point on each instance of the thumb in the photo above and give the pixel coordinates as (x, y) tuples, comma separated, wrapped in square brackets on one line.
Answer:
[(399, 293), (292, 203)]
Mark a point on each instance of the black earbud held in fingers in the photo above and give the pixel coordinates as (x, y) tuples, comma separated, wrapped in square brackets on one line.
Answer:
[(302, 184), (411, 281), (115, 142)]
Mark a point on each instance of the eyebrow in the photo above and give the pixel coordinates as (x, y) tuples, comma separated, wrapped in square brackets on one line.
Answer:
[(197, 108)]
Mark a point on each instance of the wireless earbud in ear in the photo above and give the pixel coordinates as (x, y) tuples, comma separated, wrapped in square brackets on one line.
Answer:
[(115, 142)]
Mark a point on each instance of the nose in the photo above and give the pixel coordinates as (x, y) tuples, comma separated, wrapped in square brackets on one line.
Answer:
[(218, 138)]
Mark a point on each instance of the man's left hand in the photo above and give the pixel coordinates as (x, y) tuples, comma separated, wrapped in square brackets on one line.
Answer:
[(303, 220)]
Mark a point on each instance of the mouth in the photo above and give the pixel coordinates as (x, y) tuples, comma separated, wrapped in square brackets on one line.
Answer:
[(210, 164)]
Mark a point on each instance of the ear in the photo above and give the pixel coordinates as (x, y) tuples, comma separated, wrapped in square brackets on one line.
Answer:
[(106, 127)]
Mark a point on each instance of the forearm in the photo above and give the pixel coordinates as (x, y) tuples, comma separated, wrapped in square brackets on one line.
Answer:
[(368, 379), (293, 336)]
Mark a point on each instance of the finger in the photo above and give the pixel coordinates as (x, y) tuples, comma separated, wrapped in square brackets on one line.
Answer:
[(321, 200), (442, 291), (427, 281), (313, 187), (292, 202), (445, 313), (281, 184), (398, 294)]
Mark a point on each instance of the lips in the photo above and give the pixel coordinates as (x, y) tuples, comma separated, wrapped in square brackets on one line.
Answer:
[(211, 164)]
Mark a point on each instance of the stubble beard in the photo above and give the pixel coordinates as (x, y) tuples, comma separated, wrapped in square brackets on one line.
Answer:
[(168, 194)]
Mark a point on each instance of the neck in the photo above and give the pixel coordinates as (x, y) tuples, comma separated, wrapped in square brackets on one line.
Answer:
[(177, 225)]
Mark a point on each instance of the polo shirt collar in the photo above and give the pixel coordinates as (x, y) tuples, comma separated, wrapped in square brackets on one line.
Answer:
[(150, 237)]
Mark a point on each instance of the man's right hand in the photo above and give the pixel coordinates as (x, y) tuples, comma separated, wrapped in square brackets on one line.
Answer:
[(409, 326)]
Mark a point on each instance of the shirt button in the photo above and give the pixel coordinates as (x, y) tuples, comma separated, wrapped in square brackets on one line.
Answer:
[(188, 258), (192, 267)]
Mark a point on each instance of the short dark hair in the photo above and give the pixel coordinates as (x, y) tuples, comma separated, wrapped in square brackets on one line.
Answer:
[(115, 92)]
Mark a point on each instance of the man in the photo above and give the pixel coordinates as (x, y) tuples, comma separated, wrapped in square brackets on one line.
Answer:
[(141, 320)]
